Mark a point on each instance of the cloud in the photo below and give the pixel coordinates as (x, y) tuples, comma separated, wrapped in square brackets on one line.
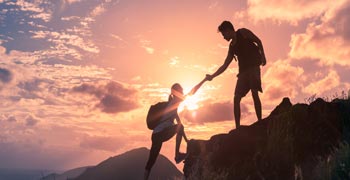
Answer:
[(149, 50), (332, 80), (71, 1), (146, 45), (12, 119), (213, 5), (98, 10), (327, 41), (44, 89), (52, 29), (277, 81), (31, 85), (68, 42), (42, 82), (9, 118), (174, 61), (291, 11), (31, 121), (36, 9), (117, 37), (212, 112), (113, 97), (5, 75)]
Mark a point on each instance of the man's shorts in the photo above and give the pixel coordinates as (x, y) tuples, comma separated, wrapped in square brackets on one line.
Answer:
[(250, 79)]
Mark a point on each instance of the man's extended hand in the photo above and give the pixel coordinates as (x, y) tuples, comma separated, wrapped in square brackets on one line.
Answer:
[(195, 88), (263, 62), (209, 77)]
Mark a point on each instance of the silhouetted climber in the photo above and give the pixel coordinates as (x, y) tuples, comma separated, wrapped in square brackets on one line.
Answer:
[(248, 48), (166, 129)]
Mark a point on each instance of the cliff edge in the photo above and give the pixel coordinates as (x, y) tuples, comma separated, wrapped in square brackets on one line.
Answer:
[(293, 142)]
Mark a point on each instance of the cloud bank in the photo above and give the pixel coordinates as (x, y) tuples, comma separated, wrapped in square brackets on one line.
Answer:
[(113, 97)]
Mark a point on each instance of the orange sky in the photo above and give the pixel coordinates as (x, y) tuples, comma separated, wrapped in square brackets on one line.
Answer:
[(77, 77)]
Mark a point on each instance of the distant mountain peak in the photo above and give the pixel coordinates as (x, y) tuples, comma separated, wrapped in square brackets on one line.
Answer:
[(131, 165)]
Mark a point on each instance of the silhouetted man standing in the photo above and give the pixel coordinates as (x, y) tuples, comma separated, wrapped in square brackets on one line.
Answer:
[(248, 48)]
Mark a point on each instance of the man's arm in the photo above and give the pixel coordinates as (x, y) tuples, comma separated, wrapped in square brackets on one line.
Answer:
[(223, 67), (250, 35)]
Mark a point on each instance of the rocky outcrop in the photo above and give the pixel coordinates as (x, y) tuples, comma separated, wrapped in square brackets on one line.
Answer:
[(286, 145)]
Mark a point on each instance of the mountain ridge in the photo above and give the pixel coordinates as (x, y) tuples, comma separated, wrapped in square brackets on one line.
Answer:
[(130, 165)]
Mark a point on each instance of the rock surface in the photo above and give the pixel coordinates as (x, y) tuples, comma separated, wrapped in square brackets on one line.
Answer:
[(286, 144)]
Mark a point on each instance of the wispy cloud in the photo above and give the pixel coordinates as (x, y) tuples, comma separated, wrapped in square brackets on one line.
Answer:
[(36, 9), (174, 61), (291, 11), (64, 42), (213, 5), (117, 37), (98, 10), (146, 44)]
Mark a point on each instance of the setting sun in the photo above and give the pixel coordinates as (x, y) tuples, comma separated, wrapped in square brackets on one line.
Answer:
[(190, 103)]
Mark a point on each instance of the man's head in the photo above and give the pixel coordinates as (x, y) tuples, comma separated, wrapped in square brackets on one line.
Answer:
[(227, 30)]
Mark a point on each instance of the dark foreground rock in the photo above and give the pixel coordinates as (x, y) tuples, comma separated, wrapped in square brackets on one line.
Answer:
[(288, 144)]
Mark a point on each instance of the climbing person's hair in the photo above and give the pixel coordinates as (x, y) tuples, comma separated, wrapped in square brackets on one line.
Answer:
[(176, 90)]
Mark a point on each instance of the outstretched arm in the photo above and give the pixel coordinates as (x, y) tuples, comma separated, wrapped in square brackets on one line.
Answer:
[(195, 88), (250, 35), (223, 67)]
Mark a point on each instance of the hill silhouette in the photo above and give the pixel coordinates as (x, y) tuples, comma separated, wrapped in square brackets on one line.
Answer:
[(70, 174), (298, 141), (130, 166)]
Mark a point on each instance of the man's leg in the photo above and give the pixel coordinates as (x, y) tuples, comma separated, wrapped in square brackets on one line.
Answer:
[(257, 103), (154, 152), (242, 88), (237, 110)]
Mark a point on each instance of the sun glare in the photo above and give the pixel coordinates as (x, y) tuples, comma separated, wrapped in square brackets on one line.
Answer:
[(190, 103)]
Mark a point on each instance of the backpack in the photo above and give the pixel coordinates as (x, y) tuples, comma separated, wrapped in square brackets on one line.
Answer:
[(155, 114)]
